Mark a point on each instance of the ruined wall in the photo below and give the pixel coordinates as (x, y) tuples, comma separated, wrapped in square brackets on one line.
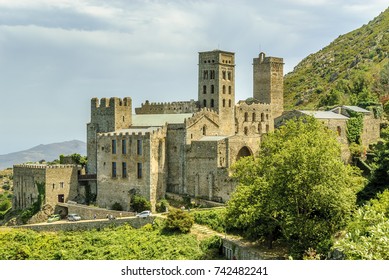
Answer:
[(25, 188), (179, 107), (371, 130), (61, 183)]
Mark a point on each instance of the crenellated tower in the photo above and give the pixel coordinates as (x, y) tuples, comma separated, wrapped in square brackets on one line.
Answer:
[(216, 86), (106, 116), (268, 82)]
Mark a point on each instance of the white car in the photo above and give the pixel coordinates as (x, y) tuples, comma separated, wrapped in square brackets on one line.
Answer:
[(144, 214), (74, 217)]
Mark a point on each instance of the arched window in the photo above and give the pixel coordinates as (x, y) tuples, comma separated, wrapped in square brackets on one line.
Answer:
[(205, 75), (224, 103), (224, 89), (229, 90), (204, 130), (267, 116), (205, 103), (212, 103), (262, 117), (253, 117), (246, 116), (259, 128), (243, 152), (224, 75), (212, 89), (229, 103), (267, 128), (204, 89)]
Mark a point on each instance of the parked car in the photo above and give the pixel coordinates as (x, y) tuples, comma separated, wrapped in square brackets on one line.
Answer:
[(144, 214), (74, 217), (53, 218)]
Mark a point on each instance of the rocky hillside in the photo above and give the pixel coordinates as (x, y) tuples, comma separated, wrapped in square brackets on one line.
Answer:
[(47, 152), (353, 69)]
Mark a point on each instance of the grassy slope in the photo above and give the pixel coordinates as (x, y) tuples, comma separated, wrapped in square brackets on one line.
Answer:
[(364, 50)]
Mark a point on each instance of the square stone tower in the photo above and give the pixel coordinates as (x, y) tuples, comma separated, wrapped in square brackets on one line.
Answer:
[(107, 116), (216, 86), (268, 82)]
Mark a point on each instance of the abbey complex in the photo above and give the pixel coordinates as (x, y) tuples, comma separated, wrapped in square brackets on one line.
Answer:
[(184, 148)]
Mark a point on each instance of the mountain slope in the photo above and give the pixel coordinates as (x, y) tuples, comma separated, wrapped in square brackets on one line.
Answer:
[(345, 71), (47, 152)]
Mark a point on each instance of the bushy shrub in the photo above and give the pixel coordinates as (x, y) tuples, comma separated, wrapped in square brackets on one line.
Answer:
[(215, 218), (178, 220), (117, 206), (161, 206), (139, 203)]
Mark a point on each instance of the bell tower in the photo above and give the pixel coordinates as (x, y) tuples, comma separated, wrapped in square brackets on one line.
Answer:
[(216, 86)]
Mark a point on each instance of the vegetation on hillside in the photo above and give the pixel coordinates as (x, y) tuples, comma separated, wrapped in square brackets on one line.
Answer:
[(297, 189), (366, 237), (121, 243), (352, 70)]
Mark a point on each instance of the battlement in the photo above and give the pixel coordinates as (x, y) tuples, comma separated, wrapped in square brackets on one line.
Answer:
[(44, 166), (177, 107), (111, 102), (144, 133)]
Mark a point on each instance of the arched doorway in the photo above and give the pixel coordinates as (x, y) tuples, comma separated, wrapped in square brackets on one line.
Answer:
[(244, 152)]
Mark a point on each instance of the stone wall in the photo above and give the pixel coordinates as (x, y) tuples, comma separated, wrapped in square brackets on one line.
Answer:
[(25, 189), (178, 107), (268, 82), (60, 182), (88, 225), (107, 115), (141, 168), (253, 119)]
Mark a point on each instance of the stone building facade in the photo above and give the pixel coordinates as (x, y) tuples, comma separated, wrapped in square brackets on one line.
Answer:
[(184, 147), (59, 181)]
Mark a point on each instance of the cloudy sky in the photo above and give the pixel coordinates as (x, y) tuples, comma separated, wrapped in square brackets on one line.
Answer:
[(56, 55)]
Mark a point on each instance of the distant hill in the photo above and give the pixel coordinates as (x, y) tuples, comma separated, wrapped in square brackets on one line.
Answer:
[(47, 152), (353, 69)]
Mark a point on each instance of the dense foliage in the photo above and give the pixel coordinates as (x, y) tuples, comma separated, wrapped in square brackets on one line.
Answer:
[(367, 236), (379, 177), (178, 221), (139, 203), (122, 243), (352, 70), (297, 188), (213, 218)]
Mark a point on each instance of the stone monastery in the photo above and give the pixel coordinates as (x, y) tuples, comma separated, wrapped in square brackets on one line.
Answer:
[(185, 148)]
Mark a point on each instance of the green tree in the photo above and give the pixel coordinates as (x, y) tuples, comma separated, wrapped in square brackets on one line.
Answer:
[(367, 234), (297, 187)]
